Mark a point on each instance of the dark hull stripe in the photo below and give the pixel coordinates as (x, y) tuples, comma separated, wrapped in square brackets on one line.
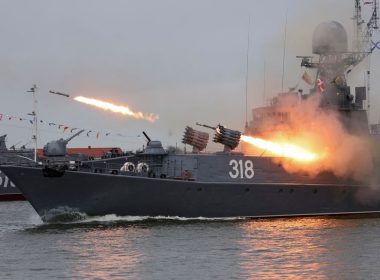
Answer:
[(12, 197)]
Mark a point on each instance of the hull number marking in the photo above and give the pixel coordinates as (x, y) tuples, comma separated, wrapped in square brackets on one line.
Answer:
[(5, 182), (241, 169)]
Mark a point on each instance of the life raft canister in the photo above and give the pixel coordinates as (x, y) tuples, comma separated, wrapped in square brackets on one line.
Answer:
[(128, 166), (142, 167)]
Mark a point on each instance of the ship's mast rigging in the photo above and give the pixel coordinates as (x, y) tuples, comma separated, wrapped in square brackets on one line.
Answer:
[(363, 37), (361, 42), (33, 90)]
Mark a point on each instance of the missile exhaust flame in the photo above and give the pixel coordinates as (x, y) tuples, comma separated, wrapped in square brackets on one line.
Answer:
[(116, 108), (281, 149)]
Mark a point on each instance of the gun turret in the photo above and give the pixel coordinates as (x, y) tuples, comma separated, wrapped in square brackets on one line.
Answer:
[(58, 147)]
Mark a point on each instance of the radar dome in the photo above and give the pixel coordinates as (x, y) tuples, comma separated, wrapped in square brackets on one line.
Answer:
[(329, 37)]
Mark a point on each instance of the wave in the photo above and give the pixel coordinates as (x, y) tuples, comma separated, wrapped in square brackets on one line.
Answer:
[(71, 216)]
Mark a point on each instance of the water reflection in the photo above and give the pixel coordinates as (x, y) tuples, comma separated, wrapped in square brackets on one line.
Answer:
[(107, 253), (295, 248)]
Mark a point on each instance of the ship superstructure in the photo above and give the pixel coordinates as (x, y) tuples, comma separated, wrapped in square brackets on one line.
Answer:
[(332, 68)]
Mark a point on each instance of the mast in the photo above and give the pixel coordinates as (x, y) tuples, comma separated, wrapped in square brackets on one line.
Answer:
[(33, 90), (265, 84), (284, 51), (362, 41), (364, 30), (246, 78)]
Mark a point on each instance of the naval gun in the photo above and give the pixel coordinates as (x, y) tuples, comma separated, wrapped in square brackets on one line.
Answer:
[(57, 148), (225, 136)]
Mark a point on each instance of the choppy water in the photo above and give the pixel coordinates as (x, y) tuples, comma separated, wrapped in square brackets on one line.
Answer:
[(139, 248)]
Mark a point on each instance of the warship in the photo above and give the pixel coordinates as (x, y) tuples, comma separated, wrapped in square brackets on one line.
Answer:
[(229, 183), (55, 151), (8, 190)]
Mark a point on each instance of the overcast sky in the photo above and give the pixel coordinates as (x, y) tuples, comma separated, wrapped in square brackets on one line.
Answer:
[(182, 60)]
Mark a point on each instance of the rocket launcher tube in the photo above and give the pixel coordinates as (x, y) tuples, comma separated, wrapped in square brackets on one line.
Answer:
[(227, 137)]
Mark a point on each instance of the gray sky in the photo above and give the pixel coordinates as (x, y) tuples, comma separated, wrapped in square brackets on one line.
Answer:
[(183, 60)]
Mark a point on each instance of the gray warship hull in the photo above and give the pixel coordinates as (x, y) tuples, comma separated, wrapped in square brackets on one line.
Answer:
[(101, 194)]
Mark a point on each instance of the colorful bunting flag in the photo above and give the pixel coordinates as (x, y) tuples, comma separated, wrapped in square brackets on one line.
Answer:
[(65, 127), (321, 85)]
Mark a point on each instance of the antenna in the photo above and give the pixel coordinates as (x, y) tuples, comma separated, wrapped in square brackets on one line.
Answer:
[(33, 90), (246, 78), (283, 55), (265, 83)]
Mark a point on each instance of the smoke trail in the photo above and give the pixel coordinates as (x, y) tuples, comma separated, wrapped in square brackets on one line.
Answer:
[(116, 108), (321, 131)]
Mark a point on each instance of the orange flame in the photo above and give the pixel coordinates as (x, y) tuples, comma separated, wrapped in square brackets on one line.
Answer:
[(281, 149), (116, 108)]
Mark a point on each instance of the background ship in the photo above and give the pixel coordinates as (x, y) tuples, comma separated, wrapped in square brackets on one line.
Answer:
[(8, 190), (53, 151)]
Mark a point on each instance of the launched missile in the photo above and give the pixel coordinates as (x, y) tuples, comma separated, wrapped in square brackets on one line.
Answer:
[(59, 93)]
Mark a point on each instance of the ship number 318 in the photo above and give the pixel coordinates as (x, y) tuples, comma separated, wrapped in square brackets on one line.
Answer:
[(241, 169)]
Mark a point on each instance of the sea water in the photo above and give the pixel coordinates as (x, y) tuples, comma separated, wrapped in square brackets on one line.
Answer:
[(112, 247)]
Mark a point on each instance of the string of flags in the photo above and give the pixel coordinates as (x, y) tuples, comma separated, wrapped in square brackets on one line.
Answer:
[(62, 127)]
